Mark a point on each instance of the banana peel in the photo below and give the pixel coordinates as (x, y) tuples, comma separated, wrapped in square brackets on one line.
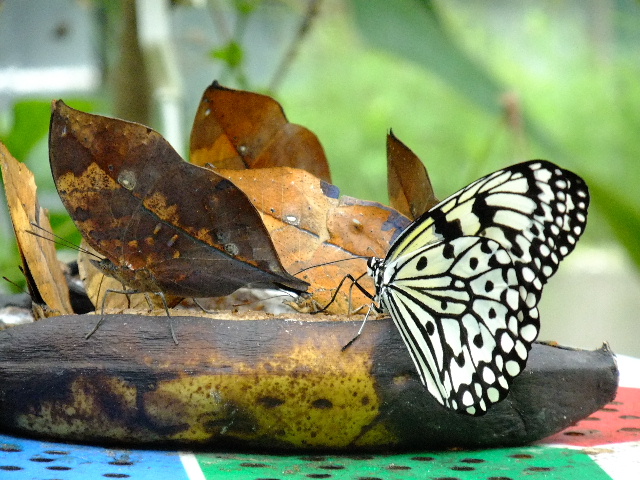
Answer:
[(268, 383)]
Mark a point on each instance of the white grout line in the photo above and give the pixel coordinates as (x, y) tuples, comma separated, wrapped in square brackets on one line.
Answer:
[(191, 466), (629, 368), (620, 461)]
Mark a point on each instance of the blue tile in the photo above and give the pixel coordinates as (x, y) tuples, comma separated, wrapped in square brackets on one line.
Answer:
[(23, 459)]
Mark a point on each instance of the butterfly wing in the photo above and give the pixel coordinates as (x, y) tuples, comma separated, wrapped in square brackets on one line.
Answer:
[(163, 224), (509, 229), (458, 308), (535, 210)]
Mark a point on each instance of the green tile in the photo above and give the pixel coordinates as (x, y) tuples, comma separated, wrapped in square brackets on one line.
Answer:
[(513, 463)]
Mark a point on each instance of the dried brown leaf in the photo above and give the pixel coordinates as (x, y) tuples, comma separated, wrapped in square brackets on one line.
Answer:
[(410, 190), (38, 254), (310, 226), (235, 129)]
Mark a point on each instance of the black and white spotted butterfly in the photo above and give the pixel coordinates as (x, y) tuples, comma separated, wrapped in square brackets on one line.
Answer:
[(463, 281)]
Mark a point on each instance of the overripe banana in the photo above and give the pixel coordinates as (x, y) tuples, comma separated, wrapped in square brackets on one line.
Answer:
[(267, 383)]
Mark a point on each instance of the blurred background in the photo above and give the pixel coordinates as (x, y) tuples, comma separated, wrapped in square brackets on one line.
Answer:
[(469, 86)]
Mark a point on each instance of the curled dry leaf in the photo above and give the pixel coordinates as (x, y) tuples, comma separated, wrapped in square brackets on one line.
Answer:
[(44, 275), (410, 190), (164, 225), (311, 225), (235, 129)]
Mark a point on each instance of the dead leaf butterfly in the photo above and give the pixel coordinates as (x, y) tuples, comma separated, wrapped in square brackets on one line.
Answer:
[(163, 225)]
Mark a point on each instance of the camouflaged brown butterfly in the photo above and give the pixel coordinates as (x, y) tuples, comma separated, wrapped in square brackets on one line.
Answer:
[(164, 226)]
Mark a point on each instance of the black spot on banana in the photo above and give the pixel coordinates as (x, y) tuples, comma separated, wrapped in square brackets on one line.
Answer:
[(268, 383)]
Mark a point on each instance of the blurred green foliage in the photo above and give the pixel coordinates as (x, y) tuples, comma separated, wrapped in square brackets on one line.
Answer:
[(473, 86), (30, 124), (231, 54), (597, 92)]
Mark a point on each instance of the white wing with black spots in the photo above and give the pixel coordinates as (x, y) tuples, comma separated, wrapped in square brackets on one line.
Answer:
[(535, 210), (462, 283), (462, 319)]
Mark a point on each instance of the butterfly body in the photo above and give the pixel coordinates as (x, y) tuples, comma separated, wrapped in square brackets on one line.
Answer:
[(462, 282)]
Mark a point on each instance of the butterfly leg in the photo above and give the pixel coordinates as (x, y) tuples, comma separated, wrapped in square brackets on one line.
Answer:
[(95, 328), (166, 309), (104, 300), (350, 342), (149, 302), (199, 305), (354, 281), (350, 310)]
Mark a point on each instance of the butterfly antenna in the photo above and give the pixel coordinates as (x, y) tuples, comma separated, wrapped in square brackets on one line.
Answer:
[(15, 284), (58, 240), (357, 257)]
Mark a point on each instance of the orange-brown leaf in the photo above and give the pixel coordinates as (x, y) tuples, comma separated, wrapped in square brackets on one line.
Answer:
[(235, 129), (410, 190), (38, 254), (310, 226)]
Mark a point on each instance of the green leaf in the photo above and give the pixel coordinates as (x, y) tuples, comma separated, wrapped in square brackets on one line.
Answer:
[(30, 125), (246, 7), (412, 29), (232, 54), (622, 215)]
